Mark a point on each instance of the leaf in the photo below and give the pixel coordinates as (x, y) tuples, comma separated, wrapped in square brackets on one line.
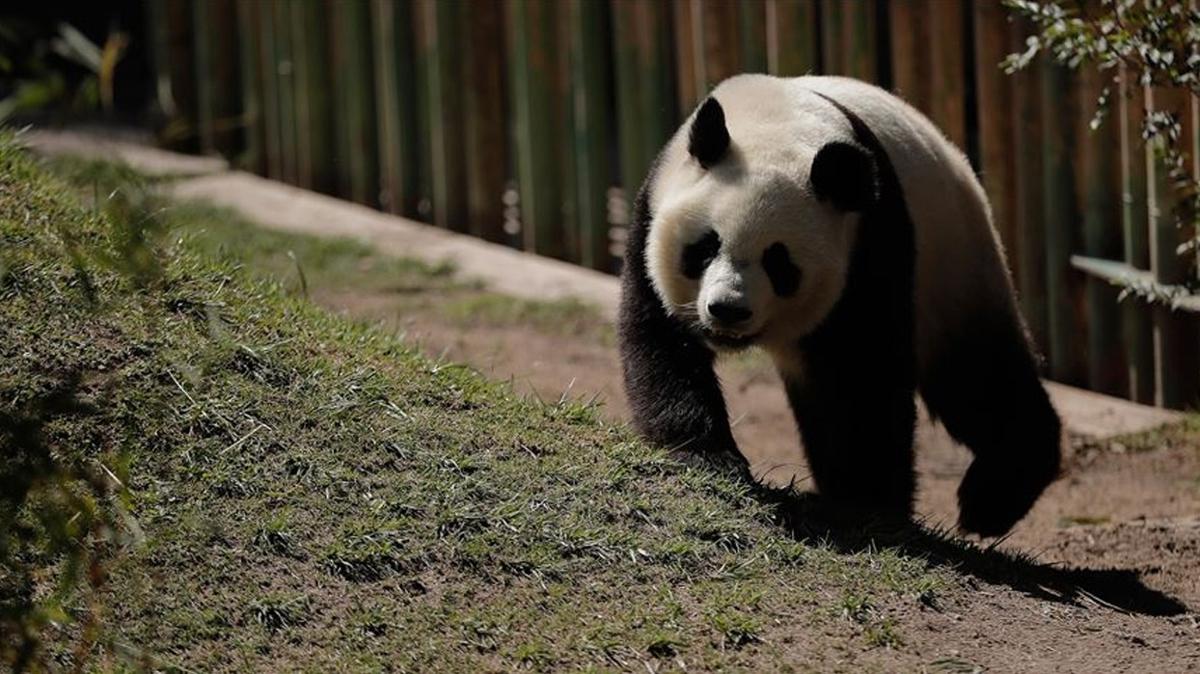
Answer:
[(33, 95), (75, 46), (114, 47)]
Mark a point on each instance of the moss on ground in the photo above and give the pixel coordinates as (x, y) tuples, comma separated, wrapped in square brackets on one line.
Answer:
[(310, 493)]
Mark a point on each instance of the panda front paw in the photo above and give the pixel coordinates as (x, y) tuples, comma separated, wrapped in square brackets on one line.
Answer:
[(995, 495)]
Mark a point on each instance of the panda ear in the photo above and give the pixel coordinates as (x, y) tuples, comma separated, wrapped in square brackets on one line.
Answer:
[(845, 174), (708, 139)]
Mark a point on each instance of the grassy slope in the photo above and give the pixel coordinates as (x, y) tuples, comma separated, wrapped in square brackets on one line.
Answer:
[(313, 492)]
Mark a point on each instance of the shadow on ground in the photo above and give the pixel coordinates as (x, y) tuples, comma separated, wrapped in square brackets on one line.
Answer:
[(811, 518)]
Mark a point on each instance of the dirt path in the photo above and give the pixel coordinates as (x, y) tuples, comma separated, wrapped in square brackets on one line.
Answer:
[(1131, 509)]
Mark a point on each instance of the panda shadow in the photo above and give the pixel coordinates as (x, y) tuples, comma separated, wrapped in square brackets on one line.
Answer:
[(808, 517)]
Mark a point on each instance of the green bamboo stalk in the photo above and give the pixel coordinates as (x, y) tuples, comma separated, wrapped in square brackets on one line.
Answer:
[(720, 42), (833, 58), (1097, 160), (1137, 330), (396, 94), (252, 157), (859, 39), (1031, 225), (592, 96), (689, 62), (358, 176), (1060, 216), (791, 37), (994, 92), (538, 181), (285, 77), (202, 49), (486, 124), (646, 113), (272, 127), (752, 27), (905, 19), (314, 106), (181, 130), (440, 22), (1177, 372), (947, 70)]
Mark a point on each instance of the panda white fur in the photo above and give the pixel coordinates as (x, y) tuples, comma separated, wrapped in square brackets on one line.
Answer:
[(832, 224)]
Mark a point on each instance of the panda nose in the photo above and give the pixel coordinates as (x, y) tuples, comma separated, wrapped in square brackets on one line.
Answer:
[(729, 313)]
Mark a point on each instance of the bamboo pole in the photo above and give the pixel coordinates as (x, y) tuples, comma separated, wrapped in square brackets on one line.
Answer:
[(314, 105), (1097, 159), (646, 114), (486, 126), (357, 148), (752, 29), (791, 37), (1031, 248), (996, 133), (269, 77), (252, 157), (947, 70), (833, 49), (592, 98), (720, 40), (1059, 214), (438, 53), (395, 87), (1177, 372), (687, 24), (858, 40), (284, 71), (1137, 330), (538, 179), (182, 127), (911, 42)]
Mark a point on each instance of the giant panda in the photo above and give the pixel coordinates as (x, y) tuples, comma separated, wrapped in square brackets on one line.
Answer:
[(828, 222)]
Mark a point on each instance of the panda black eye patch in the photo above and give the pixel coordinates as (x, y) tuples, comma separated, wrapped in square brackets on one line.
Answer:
[(784, 276), (698, 255)]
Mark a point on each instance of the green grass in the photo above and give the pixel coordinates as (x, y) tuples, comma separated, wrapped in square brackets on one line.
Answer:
[(310, 493), (1184, 432), (564, 317)]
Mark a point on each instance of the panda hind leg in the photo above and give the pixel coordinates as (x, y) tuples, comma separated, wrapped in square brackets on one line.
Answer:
[(985, 390)]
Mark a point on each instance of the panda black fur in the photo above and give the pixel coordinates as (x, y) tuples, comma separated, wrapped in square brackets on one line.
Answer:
[(833, 225)]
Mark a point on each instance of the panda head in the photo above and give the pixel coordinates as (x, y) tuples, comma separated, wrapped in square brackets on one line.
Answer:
[(751, 238)]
